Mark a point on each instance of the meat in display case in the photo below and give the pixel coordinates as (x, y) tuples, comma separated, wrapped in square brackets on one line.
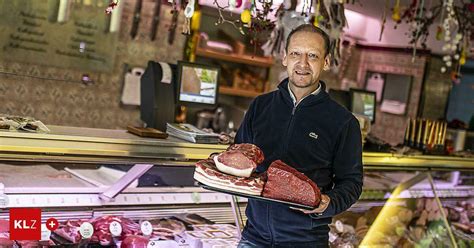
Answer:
[(111, 188), (410, 209)]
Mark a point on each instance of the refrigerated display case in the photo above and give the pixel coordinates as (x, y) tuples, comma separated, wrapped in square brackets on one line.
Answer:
[(85, 173)]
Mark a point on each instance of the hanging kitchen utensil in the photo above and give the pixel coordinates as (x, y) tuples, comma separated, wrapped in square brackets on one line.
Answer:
[(136, 19), (156, 19), (384, 19), (396, 11), (174, 23), (188, 14)]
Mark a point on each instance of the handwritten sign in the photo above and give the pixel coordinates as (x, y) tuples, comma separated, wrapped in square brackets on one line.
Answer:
[(30, 32)]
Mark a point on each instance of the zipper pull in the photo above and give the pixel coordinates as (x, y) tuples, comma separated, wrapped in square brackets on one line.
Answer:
[(293, 112)]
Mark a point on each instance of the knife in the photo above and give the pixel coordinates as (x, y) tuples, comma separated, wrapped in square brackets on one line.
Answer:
[(136, 19), (156, 19)]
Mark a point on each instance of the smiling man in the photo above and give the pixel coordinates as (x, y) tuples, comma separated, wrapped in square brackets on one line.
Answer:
[(301, 125)]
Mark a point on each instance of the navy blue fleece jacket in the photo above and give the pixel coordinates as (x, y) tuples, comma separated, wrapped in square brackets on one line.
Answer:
[(319, 138)]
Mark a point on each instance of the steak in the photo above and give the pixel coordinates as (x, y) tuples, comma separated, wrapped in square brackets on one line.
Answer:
[(134, 241), (250, 150), (167, 228), (70, 231), (208, 174), (102, 232), (239, 160), (287, 184), (5, 240)]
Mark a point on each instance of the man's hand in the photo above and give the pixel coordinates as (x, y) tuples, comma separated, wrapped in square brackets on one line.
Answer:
[(321, 208)]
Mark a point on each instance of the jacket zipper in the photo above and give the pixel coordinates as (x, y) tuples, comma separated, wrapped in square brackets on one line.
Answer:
[(290, 127)]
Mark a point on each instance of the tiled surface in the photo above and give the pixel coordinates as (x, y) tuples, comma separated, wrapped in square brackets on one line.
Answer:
[(74, 104)]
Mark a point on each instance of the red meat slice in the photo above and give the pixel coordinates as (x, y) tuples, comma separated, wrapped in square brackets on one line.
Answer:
[(287, 184), (134, 241), (250, 150)]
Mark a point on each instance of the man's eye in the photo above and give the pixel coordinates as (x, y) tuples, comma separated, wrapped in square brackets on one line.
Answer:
[(294, 53), (312, 56)]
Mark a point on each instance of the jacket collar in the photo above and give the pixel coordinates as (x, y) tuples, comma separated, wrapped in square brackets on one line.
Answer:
[(308, 100)]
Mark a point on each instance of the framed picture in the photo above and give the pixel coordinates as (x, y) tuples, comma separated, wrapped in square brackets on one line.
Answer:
[(392, 91), (363, 102)]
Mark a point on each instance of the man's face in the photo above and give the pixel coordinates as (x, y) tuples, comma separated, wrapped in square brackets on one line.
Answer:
[(305, 59)]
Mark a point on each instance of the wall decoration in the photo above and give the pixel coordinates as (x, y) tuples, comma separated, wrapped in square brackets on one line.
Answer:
[(454, 21), (82, 41)]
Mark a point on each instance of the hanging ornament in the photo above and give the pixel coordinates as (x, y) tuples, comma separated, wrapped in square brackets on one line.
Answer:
[(462, 59), (246, 16), (384, 19), (439, 33), (238, 3), (456, 77), (317, 15), (396, 12), (188, 14), (111, 7), (232, 4)]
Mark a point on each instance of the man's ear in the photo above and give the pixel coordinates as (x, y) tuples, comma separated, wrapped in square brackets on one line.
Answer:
[(327, 63), (284, 61)]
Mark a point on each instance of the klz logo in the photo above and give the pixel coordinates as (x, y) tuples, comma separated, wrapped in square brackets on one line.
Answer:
[(25, 224)]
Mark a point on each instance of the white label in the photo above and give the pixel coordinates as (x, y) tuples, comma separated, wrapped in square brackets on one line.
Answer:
[(166, 73), (115, 229), (147, 228), (86, 230), (152, 244), (45, 233), (3, 201), (332, 237), (339, 226)]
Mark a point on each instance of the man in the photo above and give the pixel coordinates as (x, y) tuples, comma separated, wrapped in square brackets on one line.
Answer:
[(302, 126)]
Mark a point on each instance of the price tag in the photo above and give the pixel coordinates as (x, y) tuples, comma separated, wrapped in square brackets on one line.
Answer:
[(339, 226), (332, 237), (86, 230), (45, 233), (115, 229), (4, 201), (147, 228), (196, 197)]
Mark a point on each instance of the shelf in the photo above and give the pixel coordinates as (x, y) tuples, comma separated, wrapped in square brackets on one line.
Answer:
[(236, 58), (392, 161), (238, 92)]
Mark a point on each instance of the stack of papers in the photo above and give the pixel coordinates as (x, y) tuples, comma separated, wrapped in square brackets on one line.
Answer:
[(191, 133)]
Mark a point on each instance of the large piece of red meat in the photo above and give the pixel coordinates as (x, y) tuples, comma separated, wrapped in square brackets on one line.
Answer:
[(102, 232), (134, 241), (287, 184), (70, 230)]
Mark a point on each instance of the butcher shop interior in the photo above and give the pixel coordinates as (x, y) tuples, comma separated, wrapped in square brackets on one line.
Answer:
[(119, 120)]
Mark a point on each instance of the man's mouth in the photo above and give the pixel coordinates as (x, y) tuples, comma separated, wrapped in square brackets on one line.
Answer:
[(302, 72)]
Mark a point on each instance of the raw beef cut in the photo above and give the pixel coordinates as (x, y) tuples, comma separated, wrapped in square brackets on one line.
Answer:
[(70, 230), (167, 228), (134, 241), (239, 160), (250, 150), (5, 240), (102, 232), (208, 174), (287, 184)]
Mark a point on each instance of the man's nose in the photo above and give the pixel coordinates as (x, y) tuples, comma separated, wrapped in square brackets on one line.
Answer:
[(303, 59)]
